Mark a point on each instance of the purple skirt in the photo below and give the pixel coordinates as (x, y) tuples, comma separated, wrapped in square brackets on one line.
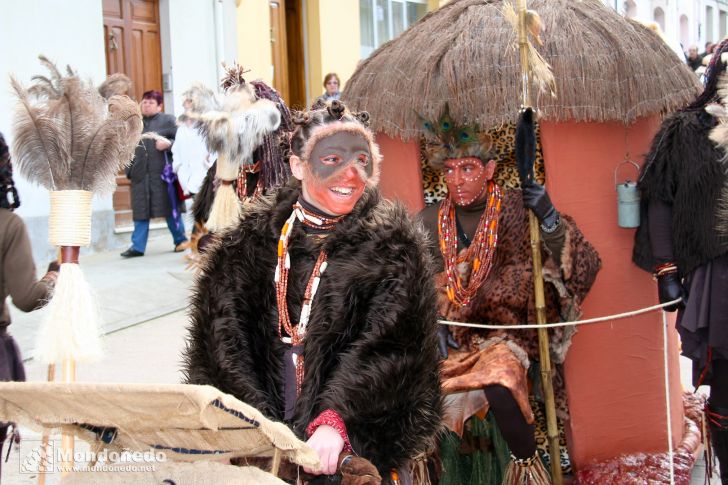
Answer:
[(703, 323)]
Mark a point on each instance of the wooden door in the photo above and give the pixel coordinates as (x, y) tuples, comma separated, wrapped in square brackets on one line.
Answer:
[(132, 41), (294, 49), (278, 46)]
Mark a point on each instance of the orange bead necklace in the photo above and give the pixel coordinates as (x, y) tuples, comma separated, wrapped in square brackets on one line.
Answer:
[(481, 251)]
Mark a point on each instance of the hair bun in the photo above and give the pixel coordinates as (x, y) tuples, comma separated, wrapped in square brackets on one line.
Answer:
[(300, 117), (363, 117), (336, 109)]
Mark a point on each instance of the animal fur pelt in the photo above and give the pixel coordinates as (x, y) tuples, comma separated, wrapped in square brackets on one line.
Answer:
[(683, 169), (370, 350), (117, 84), (719, 135), (68, 137)]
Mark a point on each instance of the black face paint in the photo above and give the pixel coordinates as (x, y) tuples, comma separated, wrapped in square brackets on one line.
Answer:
[(338, 151)]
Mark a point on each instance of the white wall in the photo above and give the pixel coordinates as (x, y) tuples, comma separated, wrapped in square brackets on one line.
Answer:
[(65, 32), (189, 52)]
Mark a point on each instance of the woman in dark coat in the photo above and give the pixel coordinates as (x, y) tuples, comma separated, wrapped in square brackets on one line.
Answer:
[(149, 195), (679, 242), (358, 370)]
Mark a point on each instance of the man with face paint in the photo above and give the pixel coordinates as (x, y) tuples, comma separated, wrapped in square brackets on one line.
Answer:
[(483, 256), (318, 308)]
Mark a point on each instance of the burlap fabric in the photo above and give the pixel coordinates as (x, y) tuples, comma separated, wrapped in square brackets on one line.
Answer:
[(186, 422), (179, 473)]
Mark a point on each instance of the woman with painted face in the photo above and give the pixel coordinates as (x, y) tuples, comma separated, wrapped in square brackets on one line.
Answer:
[(318, 308)]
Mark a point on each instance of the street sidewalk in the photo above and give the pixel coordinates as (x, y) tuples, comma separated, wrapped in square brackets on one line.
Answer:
[(128, 291)]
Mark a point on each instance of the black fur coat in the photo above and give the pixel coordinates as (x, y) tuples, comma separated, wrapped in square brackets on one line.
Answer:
[(370, 351), (683, 170)]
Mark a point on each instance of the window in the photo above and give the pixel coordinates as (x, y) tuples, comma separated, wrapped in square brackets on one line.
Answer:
[(709, 24), (382, 20)]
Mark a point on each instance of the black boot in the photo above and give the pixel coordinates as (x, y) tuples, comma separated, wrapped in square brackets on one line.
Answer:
[(718, 423)]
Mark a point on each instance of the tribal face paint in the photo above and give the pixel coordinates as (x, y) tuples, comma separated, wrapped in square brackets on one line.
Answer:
[(466, 180), (336, 172)]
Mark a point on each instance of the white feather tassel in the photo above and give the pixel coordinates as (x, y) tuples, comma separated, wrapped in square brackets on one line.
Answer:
[(226, 209), (70, 328)]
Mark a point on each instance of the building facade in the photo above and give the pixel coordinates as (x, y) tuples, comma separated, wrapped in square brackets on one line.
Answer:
[(689, 22), (160, 44)]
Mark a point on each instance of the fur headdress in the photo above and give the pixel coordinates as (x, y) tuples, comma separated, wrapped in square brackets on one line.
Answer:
[(444, 139), (326, 119), (235, 127)]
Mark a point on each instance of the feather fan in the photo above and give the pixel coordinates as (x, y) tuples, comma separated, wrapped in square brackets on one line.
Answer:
[(71, 140), (68, 137)]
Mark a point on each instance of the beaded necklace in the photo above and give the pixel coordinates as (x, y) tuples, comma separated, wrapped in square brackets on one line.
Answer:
[(242, 185), (297, 333), (481, 251)]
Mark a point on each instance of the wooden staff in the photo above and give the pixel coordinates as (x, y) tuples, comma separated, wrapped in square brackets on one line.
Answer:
[(543, 336)]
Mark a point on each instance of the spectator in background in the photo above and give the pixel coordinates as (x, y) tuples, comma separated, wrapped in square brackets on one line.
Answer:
[(693, 58), (149, 195), (191, 160), (709, 46), (331, 84), (17, 275)]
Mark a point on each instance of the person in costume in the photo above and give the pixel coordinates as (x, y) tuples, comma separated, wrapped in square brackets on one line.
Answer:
[(17, 275), (679, 243), (481, 249), (318, 306), (266, 169)]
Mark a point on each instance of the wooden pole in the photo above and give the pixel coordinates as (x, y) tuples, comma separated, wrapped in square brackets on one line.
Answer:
[(552, 428), (46, 436)]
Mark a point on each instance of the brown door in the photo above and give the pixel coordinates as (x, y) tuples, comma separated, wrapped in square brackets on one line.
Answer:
[(294, 43), (278, 46), (131, 32)]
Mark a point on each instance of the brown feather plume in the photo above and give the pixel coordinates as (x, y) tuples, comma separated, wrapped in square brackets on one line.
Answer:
[(67, 136), (116, 84)]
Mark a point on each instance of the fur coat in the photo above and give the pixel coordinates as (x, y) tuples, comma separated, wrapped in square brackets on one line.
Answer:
[(370, 351), (683, 170)]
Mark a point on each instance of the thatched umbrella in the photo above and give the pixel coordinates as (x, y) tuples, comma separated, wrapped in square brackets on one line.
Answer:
[(607, 68)]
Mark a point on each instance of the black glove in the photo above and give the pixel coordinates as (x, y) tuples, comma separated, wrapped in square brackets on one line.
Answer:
[(53, 266), (445, 340), (669, 288), (525, 146), (537, 199)]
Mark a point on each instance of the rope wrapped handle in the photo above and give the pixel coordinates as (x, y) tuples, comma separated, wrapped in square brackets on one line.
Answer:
[(69, 223)]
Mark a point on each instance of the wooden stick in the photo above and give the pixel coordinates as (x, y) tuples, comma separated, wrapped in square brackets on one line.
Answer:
[(68, 374), (46, 436), (552, 428), (276, 462)]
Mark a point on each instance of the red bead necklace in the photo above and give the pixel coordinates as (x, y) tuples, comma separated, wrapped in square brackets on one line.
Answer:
[(481, 251), (297, 333)]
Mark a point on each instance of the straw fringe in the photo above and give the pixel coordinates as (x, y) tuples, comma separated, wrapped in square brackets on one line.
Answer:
[(606, 68), (526, 472)]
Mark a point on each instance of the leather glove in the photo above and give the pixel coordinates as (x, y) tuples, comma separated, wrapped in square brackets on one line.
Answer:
[(525, 146), (669, 288), (445, 340), (537, 199)]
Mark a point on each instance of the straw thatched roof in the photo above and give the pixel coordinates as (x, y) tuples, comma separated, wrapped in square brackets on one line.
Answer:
[(607, 68)]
